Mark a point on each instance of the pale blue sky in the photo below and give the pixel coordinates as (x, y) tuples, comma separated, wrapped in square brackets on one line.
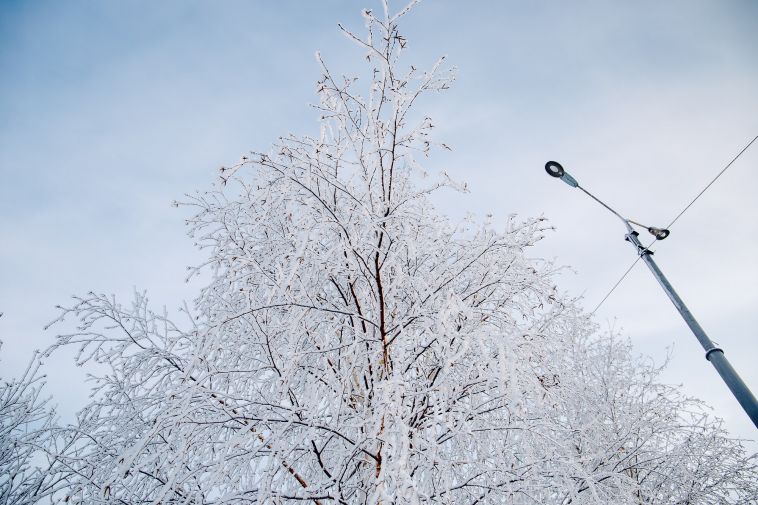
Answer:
[(111, 110)]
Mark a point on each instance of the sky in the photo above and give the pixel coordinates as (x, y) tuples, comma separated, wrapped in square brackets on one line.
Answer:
[(109, 111)]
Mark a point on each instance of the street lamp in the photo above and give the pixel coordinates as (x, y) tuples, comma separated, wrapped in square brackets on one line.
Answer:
[(713, 353)]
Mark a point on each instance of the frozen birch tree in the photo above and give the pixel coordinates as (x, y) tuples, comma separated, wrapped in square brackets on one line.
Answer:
[(356, 346)]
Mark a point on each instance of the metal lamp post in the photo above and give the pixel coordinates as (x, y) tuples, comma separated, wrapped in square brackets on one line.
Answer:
[(713, 353)]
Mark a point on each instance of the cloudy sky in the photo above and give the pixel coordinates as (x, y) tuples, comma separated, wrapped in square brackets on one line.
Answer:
[(111, 110)]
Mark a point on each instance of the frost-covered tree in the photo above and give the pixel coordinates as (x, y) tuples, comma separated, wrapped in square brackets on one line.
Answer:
[(356, 346), (27, 429), (634, 437)]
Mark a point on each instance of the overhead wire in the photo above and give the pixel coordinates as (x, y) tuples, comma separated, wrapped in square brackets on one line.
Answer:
[(617, 284), (685, 209), (712, 181)]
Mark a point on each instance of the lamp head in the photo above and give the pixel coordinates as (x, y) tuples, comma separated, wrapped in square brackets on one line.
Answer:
[(554, 168), (658, 233)]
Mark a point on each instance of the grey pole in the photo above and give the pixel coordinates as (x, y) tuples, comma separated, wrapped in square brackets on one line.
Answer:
[(713, 353)]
